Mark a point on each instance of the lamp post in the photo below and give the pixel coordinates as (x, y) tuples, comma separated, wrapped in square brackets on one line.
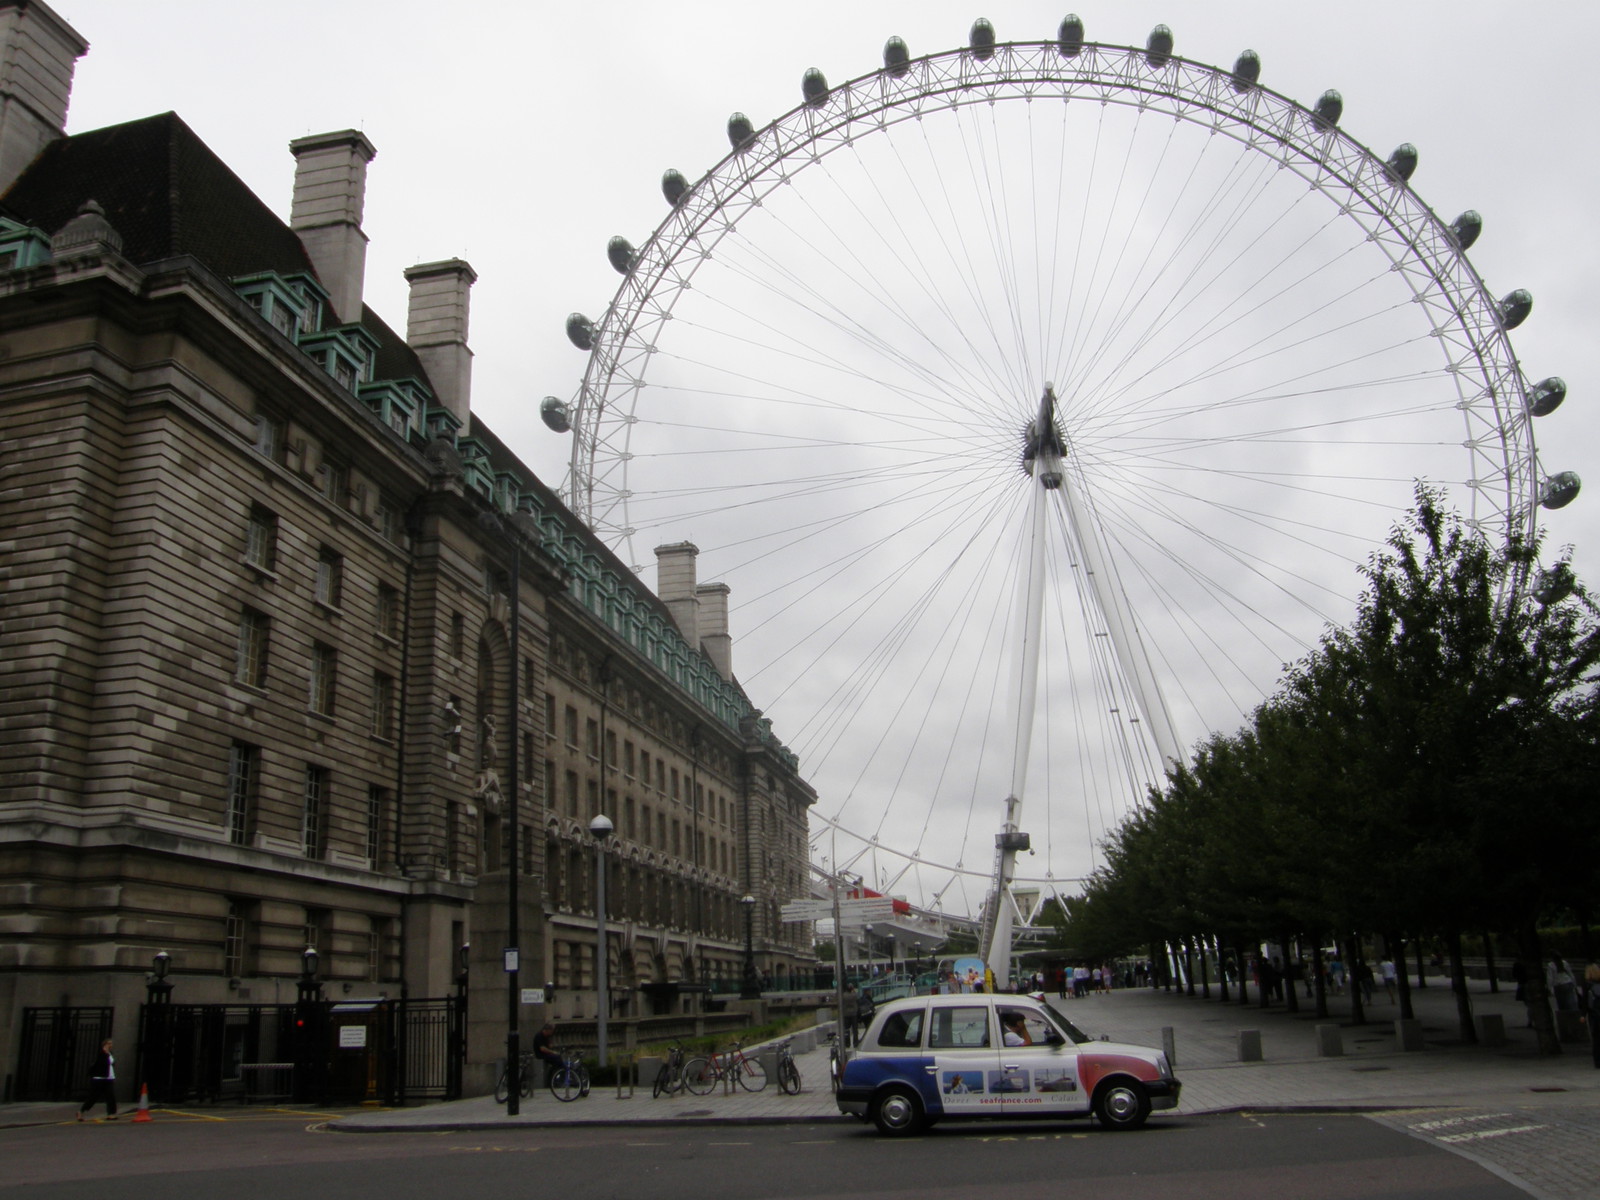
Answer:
[(157, 989), (889, 937), (866, 938), (750, 988), (309, 986), (916, 960), (600, 829)]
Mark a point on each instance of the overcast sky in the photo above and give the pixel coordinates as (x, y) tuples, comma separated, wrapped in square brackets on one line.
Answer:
[(522, 136)]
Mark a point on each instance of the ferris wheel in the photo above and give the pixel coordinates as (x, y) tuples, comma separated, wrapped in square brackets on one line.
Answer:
[(1089, 349)]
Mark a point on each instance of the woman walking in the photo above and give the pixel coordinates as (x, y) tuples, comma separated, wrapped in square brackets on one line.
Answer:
[(102, 1083)]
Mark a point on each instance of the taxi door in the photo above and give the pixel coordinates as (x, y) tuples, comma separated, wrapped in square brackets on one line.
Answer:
[(966, 1062), (1039, 1072)]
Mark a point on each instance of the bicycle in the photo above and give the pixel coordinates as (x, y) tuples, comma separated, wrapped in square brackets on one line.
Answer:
[(702, 1074), (670, 1077), (569, 1081), (502, 1089), (788, 1073)]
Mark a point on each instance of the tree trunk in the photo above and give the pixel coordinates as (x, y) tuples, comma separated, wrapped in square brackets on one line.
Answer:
[(1244, 985), (1205, 969), (1458, 985), (1222, 970), (1318, 975), (1532, 956), (1422, 978), (1188, 964), (1397, 954), (1488, 954), (1352, 974)]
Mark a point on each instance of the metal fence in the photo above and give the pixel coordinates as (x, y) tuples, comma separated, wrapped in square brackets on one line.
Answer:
[(315, 1052), (58, 1050)]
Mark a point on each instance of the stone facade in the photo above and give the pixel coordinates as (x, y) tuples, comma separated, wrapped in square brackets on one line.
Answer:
[(256, 639)]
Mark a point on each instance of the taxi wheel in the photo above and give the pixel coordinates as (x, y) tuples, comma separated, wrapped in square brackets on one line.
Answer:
[(897, 1113), (1122, 1104)]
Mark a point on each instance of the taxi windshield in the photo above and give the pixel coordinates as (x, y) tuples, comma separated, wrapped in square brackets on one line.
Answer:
[(1068, 1030)]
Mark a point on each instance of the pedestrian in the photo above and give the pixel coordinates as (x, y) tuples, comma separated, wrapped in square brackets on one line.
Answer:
[(849, 1011), (1386, 972), (1591, 1008), (1336, 975), (1364, 978), (102, 1083), (1562, 985)]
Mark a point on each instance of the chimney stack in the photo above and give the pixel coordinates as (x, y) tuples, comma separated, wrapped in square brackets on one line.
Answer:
[(436, 328), (675, 585), (330, 187), (38, 52), (714, 635)]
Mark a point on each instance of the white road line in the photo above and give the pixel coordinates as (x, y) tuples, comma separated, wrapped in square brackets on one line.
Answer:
[(1478, 1134)]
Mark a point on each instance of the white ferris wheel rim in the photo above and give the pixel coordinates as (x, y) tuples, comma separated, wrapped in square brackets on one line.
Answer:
[(1504, 480)]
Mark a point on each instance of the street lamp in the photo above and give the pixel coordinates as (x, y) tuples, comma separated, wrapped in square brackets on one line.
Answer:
[(751, 987), (600, 829), (866, 931), (889, 937), (309, 986), (916, 961), (157, 989)]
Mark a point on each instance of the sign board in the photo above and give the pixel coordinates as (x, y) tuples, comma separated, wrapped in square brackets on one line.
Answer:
[(807, 910), (533, 995), (352, 1037), (512, 958), (854, 912)]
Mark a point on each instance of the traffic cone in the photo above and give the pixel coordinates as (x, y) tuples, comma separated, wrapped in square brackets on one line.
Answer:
[(144, 1104)]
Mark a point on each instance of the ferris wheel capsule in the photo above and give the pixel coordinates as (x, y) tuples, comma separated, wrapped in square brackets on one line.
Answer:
[(1515, 307), (740, 132), (1246, 71), (896, 56), (1330, 107), (620, 251), (1547, 396), (1464, 230), (981, 40), (1560, 490), (1069, 38), (1402, 163), (580, 331), (1159, 47), (674, 186), (814, 86), (553, 412), (1554, 585)]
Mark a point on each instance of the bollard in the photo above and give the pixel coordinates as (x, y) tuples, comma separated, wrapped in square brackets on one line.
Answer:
[(1169, 1045), (1249, 1045), (1408, 1034), (1491, 1029), (1330, 1042)]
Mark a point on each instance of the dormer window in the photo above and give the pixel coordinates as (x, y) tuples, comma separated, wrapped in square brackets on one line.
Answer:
[(22, 246)]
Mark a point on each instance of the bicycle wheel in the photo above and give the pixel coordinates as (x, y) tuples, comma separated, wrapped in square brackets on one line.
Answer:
[(663, 1082), (567, 1084), (583, 1079), (527, 1079), (699, 1076), (752, 1076), (789, 1077), (833, 1067), (502, 1089)]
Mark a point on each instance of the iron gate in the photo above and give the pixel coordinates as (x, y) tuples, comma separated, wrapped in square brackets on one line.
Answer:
[(58, 1050)]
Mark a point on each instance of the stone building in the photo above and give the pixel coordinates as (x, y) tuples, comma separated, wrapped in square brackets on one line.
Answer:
[(263, 680)]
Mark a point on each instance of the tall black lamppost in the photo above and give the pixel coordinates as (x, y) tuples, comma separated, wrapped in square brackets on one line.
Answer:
[(750, 989), (600, 829), (310, 987), (916, 959), (155, 1042), (866, 941), (889, 937), (157, 989)]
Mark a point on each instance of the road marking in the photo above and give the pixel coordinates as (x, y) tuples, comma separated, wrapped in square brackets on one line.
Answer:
[(1445, 1124), (1478, 1134)]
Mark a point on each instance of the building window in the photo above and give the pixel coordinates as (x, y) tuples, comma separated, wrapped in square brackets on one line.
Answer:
[(383, 706), (377, 805), (592, 737), (390, 522), (261, 539), (388, 615), (611, 749), (324, 671), (452, 834), (374, 947), (243, 760), (335, 480), (594, 799), (458, 635), (572, 727), (233, 940), (314, 933), (527, 757), (572, 793), (269, 436), (314, 814), (251, 660), (330, 577)]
